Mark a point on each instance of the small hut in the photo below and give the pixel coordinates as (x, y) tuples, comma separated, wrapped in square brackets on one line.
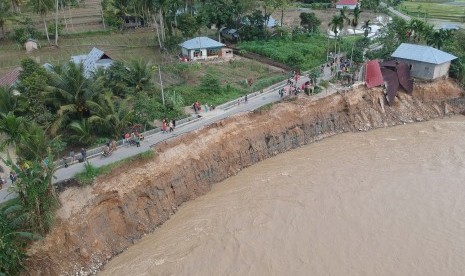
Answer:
[(31, 45)]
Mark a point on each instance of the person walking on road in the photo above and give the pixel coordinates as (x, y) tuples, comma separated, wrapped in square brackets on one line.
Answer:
[(171, 126), (245, 99), (13, 177), (83, 154)]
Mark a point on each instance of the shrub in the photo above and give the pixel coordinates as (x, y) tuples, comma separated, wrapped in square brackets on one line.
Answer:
[(210, 83)]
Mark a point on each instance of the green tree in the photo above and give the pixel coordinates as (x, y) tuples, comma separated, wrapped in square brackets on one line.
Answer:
[(309, 21), (140, 76), (255, 29), (366, 28), (33, 82), (13, 127), (13, 239), (5, 14), (7, 100), (336, 24), (70, 92), (356, 16), (82, 131), (188, 24), (42, 7), (111, 116), (437, 38), (117, 78), (210, 83), (218, 13)]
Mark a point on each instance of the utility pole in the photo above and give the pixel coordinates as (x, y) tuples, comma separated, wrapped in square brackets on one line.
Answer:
[(56, 24), (161, 85)]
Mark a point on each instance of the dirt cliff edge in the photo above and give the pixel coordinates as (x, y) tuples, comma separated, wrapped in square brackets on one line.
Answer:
[(96, 223)]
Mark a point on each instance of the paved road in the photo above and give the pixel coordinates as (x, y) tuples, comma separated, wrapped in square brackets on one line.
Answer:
[(205, 119), (397, 13)]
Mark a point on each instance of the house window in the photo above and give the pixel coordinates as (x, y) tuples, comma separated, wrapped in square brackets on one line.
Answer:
[(212, 52), (197, 53)]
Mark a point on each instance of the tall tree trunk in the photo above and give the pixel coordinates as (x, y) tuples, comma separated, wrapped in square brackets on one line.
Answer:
[(46, 29), (282, 16), (56, 23), (162, 27), (70, 18), (103, 18), (158, 32), (64, 19)]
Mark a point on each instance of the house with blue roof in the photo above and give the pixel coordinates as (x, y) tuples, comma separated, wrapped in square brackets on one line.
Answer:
[(204, 48), (425, 62)]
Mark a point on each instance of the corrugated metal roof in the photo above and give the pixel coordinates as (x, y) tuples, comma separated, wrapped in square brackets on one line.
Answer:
[(422, 53), (201, 42), (10, 78), (90, 63), (373, 76), (96, 58)]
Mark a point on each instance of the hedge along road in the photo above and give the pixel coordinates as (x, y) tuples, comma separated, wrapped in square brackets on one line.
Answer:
[(271, 95)]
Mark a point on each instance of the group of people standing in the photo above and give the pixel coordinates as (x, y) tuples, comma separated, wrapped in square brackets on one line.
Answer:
[(168, 124), (197, 107)]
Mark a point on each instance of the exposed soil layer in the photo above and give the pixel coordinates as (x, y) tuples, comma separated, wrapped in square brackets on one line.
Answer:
[(96, 223)]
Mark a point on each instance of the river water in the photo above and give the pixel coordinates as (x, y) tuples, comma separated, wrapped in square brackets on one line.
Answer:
[(386, 202)]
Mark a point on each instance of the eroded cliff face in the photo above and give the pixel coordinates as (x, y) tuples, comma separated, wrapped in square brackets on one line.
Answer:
[(95, 223)]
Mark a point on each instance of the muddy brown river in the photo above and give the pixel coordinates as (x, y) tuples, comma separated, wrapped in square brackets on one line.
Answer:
[(386, 202)]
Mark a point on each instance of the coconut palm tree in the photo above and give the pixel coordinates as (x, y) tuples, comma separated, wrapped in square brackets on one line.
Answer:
[(42, 7), (416, 27), (110, 115), (140, 76), (343, 14), (82, 130), (13, 238), (438, 37), (354, 20), (336, 24), (7, 100), (70, 92), (13, 127), (366, 27)]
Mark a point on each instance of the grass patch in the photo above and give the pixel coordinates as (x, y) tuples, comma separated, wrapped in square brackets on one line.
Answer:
[(91, 172), (119, 46), (231, 76), (306, 51)]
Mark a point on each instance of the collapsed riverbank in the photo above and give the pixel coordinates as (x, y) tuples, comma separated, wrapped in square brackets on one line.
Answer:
[(96, 223)]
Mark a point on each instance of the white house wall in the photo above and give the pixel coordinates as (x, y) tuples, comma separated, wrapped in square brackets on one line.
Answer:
[(442, 70), (350, 7), (420, 69)]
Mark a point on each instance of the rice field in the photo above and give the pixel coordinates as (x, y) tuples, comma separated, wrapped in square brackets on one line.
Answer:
[(451, 11)]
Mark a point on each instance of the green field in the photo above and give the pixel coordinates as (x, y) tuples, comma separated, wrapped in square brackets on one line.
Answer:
[(452, 11), (306, 52), (231, 75), (125, 47)]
